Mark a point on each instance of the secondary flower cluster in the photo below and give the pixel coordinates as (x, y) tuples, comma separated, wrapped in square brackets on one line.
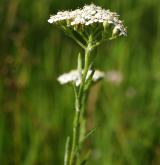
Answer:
[(89, 15), (114, 77), (75, 77)]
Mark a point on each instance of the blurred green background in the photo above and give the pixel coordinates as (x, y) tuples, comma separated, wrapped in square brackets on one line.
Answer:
[(36, 113)]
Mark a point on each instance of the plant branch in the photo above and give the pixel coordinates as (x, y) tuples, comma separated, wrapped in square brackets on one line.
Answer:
[(71, 35)]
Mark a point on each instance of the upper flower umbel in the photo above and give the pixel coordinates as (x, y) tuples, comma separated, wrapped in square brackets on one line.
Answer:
[(91, 20)]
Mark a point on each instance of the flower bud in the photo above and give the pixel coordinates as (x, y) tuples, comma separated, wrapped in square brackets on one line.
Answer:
[(75, 27), (68, 22), (106, 26), (116, 31)]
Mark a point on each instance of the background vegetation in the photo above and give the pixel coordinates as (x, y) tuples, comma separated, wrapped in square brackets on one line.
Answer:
[(36, 112)]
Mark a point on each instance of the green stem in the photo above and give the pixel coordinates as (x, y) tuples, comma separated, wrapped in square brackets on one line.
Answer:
[(102, 41), (76, 126), (85, 70), (71, 35), (80, 103), (83, 117)]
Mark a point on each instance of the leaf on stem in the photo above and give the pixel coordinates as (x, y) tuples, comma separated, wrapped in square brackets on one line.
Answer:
[(88, 134), (67, 148)]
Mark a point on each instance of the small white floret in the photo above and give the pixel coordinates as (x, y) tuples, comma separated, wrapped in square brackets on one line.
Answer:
[(88, 15)]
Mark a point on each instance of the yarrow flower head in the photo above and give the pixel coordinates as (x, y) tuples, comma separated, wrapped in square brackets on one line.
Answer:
[(74, 76), (90, 20)]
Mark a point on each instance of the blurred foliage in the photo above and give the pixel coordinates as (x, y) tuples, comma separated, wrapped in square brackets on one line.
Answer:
[(36, 112)]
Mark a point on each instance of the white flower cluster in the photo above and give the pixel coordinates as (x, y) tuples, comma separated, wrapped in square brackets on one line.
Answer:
[(88, 15), (75, 76)]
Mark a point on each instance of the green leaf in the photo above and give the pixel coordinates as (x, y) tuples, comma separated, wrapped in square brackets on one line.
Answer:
[(67, 148), (88, 134)]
